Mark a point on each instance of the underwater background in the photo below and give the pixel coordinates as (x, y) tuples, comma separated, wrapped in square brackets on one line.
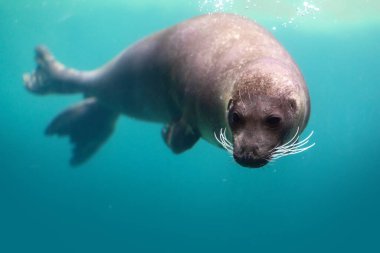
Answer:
[(134, 195)]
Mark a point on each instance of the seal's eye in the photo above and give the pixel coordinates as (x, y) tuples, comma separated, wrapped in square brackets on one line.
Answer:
[(235, 119), (273, 121)]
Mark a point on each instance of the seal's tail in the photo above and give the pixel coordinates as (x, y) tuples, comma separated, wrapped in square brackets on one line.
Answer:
[(88, 124), (51, 76)]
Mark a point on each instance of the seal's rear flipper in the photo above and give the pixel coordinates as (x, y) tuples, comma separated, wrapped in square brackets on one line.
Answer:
[(88, 124), (52, 76)]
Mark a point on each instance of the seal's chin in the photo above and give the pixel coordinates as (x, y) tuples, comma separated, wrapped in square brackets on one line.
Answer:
[(250, 162)]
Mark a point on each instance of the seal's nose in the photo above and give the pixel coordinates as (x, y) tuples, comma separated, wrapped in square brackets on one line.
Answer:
[(250, 160), (257, 163)]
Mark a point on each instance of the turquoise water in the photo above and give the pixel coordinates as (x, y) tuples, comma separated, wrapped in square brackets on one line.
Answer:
[(135, 196)]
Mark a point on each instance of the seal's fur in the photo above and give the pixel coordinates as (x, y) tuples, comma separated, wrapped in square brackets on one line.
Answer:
[(196, 77)]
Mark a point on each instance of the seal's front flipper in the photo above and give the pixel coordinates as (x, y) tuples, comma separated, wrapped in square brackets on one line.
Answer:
[(179, 136), (52, 76), (88, 124)]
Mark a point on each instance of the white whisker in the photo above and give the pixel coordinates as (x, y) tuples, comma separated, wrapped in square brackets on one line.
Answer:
[(222, 139), (293, 151), (291, 140), (304, 141), (292, 147), (294, 143)]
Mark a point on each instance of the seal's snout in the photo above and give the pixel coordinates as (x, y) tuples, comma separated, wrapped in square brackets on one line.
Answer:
[(253, 155), (250, 160)]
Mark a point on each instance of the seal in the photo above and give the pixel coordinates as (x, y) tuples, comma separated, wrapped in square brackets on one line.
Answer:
[(220, 77)]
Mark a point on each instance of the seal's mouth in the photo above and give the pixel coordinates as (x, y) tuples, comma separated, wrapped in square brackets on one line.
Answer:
[(250, 162)]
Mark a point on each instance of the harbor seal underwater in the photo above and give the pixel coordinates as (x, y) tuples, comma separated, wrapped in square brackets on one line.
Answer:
[(219, 77)]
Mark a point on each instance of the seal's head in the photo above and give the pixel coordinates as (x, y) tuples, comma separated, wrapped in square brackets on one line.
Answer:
[(268, 106), (258, 126)]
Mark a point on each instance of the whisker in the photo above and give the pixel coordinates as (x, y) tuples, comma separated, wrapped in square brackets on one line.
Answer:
[(222, 139), (290, 141), (304, 141), (277, 156), (295, 140), (294, 144), (296, 151), (292, 147), (288, 154), (277, 146), (287, 144), (293, 151), (290, 150)]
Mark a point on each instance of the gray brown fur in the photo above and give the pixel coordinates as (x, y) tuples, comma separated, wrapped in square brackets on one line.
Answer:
[(184, 77)]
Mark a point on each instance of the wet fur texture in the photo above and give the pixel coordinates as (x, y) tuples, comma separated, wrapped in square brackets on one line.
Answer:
[(184, 78)]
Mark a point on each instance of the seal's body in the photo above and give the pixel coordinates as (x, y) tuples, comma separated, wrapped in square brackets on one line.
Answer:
[(209, 73)]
